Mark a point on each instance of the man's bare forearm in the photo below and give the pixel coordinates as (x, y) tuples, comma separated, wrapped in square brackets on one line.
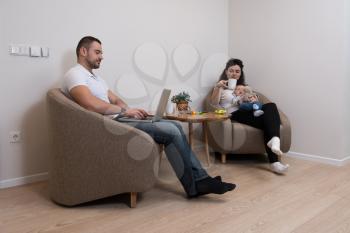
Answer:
[(106, 109)]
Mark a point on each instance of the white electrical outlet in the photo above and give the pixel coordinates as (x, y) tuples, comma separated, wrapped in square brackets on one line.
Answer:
[(14, 49), (15, 136), (19, 50)]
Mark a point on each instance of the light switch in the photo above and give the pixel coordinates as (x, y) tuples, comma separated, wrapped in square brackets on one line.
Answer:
[(44, 51), (35, 51)]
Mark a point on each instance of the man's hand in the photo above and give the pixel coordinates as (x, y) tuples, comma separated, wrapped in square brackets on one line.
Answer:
[(136, 113)]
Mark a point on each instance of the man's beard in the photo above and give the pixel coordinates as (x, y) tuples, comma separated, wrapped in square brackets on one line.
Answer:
[(94, 65)]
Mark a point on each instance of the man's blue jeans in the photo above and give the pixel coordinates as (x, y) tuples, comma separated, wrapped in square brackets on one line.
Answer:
[(182, 159)]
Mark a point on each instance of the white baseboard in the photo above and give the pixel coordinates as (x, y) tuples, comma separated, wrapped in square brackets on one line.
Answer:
[(23, 180), (44, 176), (317, 158)]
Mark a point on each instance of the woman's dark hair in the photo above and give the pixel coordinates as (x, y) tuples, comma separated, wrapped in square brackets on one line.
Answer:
[(86, 42), (232, 62)]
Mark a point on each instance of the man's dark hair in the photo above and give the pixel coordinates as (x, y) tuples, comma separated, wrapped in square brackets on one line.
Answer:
[(232, 62), (86, 42)]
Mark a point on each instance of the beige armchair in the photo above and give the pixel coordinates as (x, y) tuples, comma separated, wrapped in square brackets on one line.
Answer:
[(93, 157), (232, 137)]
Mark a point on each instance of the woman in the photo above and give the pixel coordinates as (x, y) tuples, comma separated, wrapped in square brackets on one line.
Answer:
[(269, 122)]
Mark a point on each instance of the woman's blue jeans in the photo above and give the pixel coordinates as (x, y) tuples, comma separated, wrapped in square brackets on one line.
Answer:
[(187, 167)]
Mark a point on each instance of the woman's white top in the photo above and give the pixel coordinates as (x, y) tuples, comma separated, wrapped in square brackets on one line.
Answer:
[(229, 100)]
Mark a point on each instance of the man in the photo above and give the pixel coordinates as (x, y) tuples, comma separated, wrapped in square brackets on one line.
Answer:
[(91, 92)]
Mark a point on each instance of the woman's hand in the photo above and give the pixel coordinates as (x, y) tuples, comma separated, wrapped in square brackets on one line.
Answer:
[(222, 84)]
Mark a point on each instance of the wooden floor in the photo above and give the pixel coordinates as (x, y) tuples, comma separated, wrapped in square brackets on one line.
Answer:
[(311, 198)]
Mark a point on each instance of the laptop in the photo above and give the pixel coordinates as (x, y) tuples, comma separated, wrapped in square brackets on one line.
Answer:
[(163, 101)]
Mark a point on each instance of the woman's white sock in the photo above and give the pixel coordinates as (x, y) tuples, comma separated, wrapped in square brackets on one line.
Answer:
[(279, 168), (275, 145)]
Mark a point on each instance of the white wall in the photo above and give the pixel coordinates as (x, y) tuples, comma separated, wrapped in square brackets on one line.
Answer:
[(297, 52), (347, 50), (121, 25)]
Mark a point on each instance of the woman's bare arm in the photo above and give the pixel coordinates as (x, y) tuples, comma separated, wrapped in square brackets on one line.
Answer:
[(216, 94)]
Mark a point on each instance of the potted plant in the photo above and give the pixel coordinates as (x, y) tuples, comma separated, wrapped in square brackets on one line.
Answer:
[(181, 101)]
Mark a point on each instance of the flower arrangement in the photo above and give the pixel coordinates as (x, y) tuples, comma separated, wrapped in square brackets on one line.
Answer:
[(182, 97)]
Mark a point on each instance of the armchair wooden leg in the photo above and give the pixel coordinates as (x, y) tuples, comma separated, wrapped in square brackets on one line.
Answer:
[(223, 158), (133, 199)]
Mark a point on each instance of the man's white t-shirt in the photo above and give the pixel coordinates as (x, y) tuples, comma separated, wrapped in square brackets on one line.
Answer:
[(79, 75)]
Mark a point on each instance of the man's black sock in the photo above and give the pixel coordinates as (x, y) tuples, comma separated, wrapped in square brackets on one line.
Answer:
[(218, 178), (213, 185)]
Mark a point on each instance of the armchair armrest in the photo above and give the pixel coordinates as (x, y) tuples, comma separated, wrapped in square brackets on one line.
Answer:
[(286, 132), (262, 98), (220, 135)]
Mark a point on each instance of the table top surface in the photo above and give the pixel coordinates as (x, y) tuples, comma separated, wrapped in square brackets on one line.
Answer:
[(197, 118)]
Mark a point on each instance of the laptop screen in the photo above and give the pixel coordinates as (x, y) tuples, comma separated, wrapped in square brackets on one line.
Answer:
[(163, 102)]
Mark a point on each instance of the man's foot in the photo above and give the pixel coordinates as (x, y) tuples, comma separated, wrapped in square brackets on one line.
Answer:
[(279, 168), (218, 178), (212, 185), (275, 144)]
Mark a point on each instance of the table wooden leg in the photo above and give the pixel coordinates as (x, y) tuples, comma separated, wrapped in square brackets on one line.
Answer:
[(190, 134), (223, 158), (205, 140)]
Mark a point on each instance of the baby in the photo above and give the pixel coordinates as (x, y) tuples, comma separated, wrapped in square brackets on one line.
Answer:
[(247, 100)]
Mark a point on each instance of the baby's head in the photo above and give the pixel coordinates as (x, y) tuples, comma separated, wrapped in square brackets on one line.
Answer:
[(239, 90)]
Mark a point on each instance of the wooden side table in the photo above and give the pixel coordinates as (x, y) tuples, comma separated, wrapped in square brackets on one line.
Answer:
[(201, 118)]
